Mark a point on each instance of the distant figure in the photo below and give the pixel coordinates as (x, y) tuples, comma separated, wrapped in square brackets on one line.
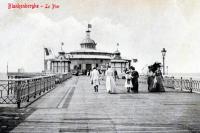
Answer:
[(110, 83), (88, 72), (155, 78), (95, 79), (134, 80), (128, 83), (115, 74)]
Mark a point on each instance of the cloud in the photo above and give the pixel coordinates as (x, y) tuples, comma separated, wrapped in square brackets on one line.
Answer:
[(141, 31)]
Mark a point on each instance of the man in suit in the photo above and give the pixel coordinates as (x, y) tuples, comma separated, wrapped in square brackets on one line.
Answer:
[(134, 80)]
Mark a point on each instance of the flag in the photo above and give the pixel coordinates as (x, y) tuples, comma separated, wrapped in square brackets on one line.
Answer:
[(47, 51), (135, 60), (89, 26)]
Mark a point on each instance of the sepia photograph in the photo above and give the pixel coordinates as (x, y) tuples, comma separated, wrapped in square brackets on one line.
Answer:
[(99, 66)]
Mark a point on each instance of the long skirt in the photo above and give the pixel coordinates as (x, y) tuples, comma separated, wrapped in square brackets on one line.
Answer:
[(155, 87), (159, 84), (110, 84)]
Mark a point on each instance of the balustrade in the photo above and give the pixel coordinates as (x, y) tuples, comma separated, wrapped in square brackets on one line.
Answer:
[(17, 91), (189, 85)]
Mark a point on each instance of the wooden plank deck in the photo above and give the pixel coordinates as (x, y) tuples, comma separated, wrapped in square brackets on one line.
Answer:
[(75, 107)]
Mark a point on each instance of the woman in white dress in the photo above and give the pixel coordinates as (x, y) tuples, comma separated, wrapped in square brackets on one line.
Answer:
[(110, 83)]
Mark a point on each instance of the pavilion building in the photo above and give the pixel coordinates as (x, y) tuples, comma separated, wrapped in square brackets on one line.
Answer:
[(87, 57)]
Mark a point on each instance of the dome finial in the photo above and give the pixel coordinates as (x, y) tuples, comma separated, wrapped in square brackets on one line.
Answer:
[(89, 26), (88, 42), (117, 46), (88, 31)]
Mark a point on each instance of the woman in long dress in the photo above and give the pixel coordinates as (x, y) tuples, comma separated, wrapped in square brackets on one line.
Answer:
[(150, 80), (159, 78), (155, 79), (110, 83)]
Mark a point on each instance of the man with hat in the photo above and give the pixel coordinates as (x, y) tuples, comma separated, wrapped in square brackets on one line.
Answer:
[(134, 80), (95, 78)]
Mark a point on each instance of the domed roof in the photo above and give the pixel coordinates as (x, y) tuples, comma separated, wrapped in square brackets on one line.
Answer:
[(116, 52), (88, 40)]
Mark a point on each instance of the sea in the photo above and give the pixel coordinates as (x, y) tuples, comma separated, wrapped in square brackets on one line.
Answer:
[(3, 76), (195, 76)]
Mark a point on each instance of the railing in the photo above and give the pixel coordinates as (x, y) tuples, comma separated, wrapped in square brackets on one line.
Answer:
[(62, 77), (182, 84), (18, 91)]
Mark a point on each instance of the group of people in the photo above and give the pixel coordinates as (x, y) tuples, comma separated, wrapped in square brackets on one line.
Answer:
[(154, 79), (131, 82)]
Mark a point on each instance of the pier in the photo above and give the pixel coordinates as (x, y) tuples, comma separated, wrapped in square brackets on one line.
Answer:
[(73, 106)]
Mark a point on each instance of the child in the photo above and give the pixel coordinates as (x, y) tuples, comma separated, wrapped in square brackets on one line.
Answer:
[(128, 83)]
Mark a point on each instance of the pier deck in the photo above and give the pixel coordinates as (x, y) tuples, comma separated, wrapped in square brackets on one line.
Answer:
[(75, 107)]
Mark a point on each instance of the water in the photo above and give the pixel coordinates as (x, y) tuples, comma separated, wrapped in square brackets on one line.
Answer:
[(3, 76), (185, 75)]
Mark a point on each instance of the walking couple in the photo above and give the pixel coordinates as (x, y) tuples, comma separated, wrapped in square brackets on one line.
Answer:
[(131, 82), (110, 83)]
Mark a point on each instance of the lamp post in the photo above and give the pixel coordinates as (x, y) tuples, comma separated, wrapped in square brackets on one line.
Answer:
[(163, 51)]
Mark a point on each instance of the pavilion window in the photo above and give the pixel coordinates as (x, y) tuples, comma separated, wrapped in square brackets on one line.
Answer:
[(54, 67), (66, 66), (59, 67), (62, 66)]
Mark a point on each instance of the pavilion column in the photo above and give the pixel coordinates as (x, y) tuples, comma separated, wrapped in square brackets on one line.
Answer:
[(64, 66), (68, 66), (57, 66), (121, 67), (51, 66)]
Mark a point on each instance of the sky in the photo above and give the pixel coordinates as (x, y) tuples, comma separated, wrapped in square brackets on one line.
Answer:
[(141, 27)]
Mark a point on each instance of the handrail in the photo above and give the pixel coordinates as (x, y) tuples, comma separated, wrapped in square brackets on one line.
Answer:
[(23, 90), (23, 79), (189, 85)]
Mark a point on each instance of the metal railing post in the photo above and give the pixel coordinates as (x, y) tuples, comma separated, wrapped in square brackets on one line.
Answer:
[(40, 86), (28, 90), (191, 85), (35, 82), (44, 84), (47, 84), (18, 94), (173, 83), (50, 82), (181, 84), (8, 86)]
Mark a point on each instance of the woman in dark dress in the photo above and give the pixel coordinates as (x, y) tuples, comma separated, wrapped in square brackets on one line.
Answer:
[(150, 80), (155, 78), (159, 84)]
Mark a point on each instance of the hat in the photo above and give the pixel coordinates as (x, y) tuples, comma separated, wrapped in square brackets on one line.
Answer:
[(132, 68), (127, 72), (155, 66)]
